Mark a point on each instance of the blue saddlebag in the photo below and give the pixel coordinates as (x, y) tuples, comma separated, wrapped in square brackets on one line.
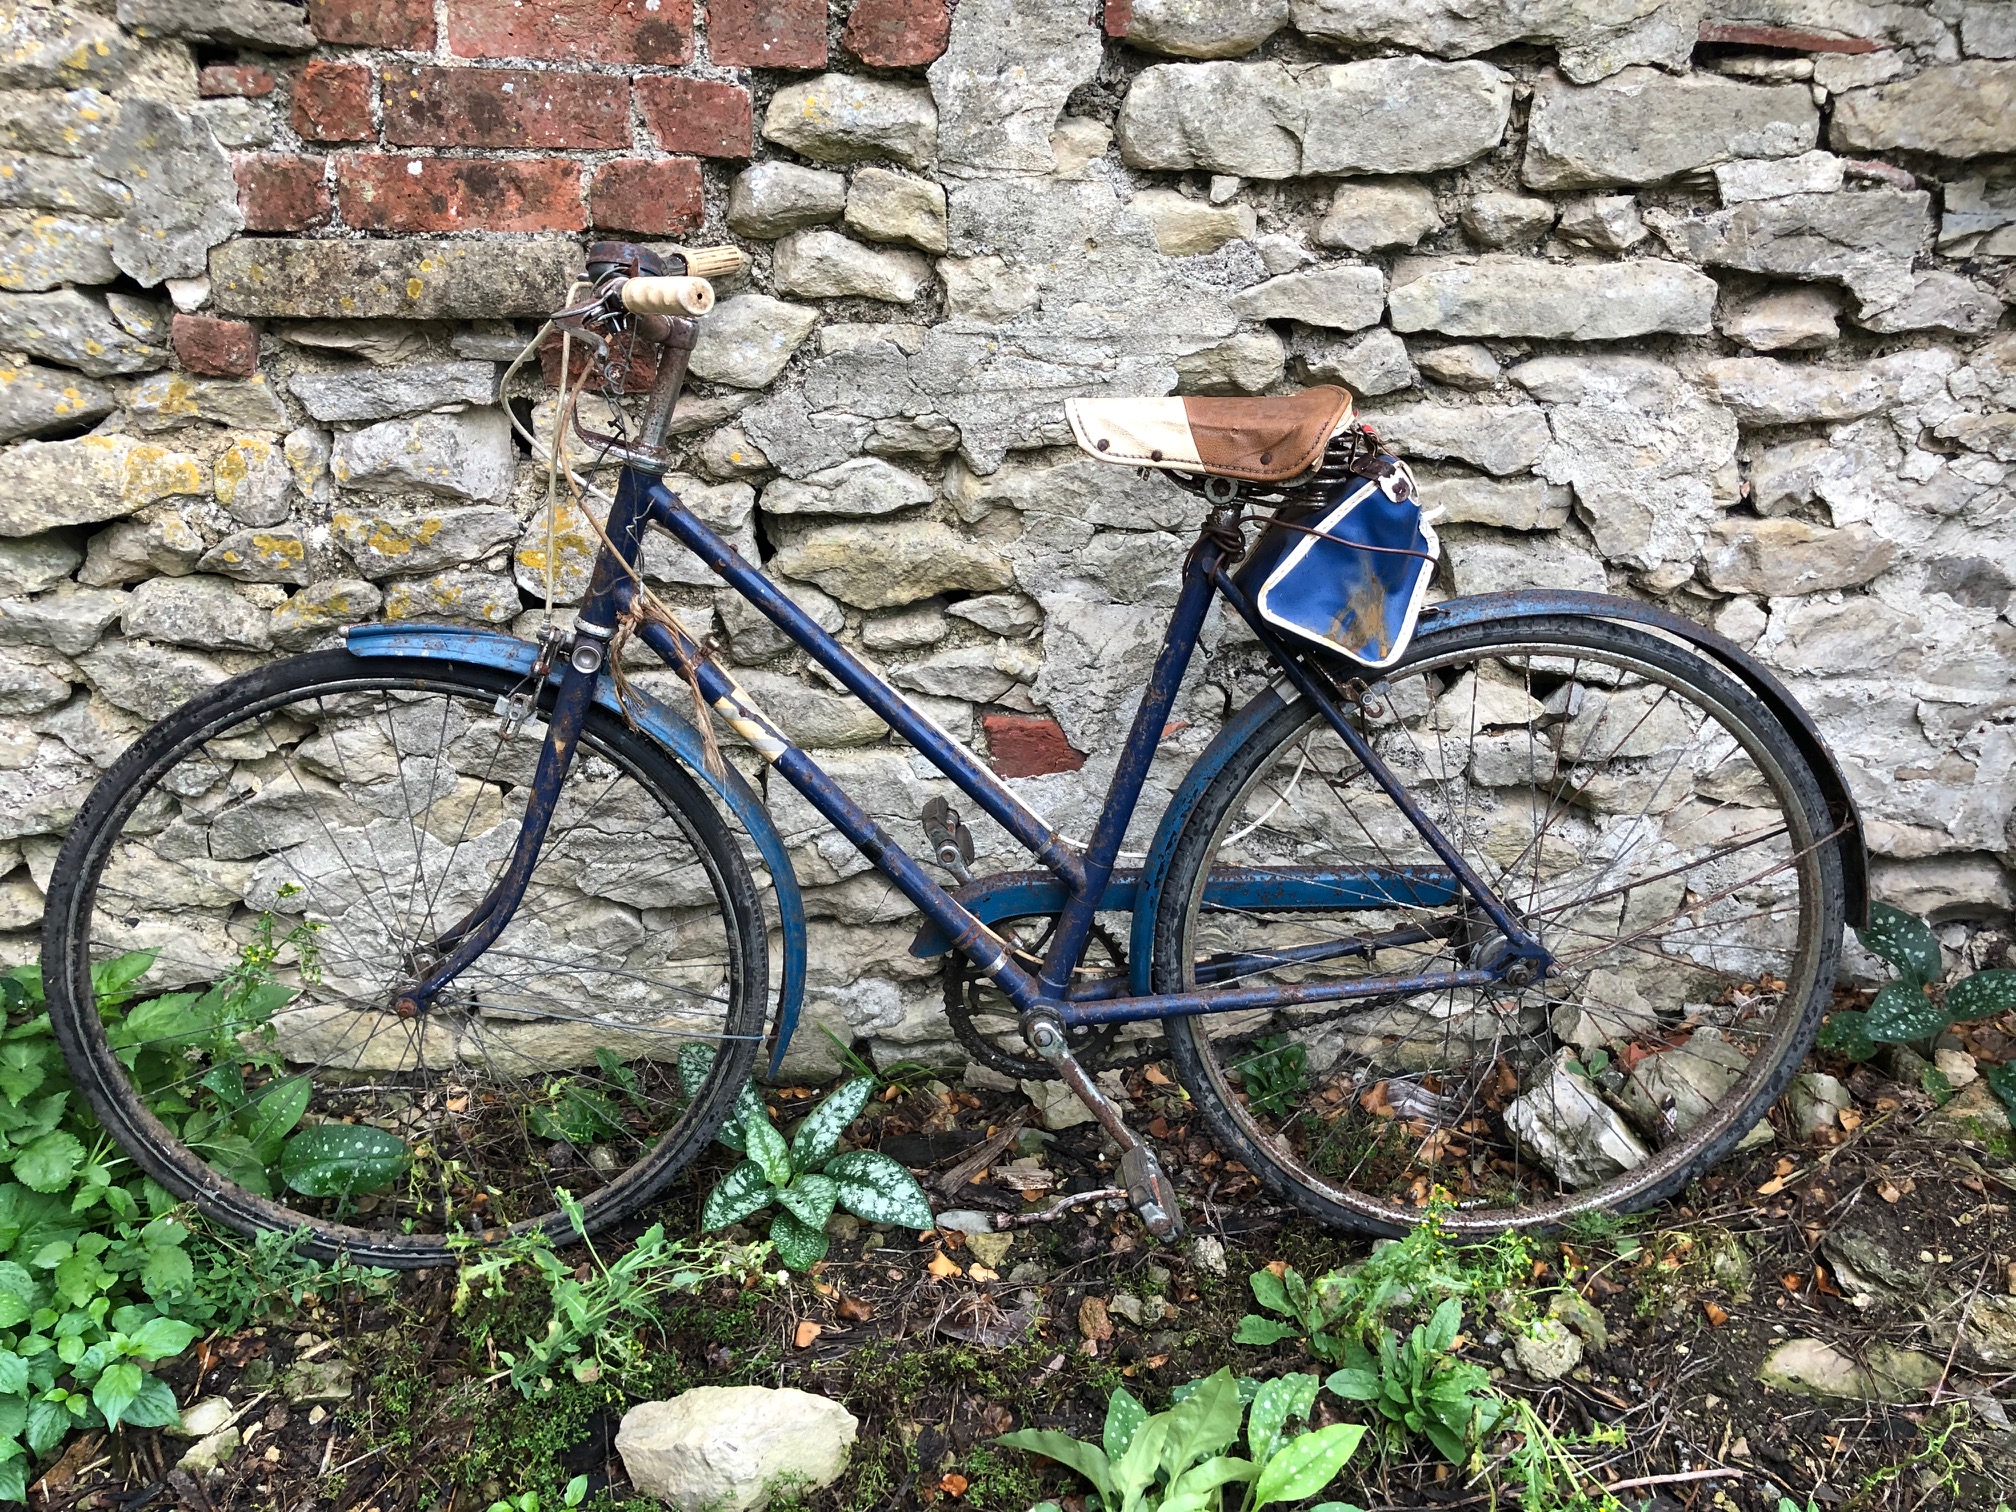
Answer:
[(1351, 574)]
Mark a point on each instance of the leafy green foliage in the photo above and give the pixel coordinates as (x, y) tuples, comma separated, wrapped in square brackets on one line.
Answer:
[(1421, 1386), (805, 1179), (2002, 1082), (1178, 1461), (528, 1501), (1907, 943), (1273, 1074), (594, 1324), (1913, 1008)]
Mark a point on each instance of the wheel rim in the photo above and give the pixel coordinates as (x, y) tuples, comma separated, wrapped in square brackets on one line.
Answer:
[(1630, 838), (284, 867)]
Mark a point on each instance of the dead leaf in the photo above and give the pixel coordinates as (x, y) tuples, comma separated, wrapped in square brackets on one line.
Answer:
[(1889, 1191), (808, 1332), (1772, 1187), (854, 1310), (944, 1265), (1156, 1077), (978, 1272), (1793, 1282), (1717, 1313), (1279, 1269), (1093, 1321), (1851, 1120), (952, 1483)]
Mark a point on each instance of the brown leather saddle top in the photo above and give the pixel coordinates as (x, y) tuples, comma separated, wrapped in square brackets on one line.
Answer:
[(1267, 440)]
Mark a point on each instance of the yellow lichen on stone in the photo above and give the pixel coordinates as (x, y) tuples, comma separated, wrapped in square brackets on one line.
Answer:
[(154, 472), (236, 464)]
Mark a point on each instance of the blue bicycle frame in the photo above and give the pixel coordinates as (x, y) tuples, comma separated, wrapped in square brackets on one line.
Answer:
[(1080, 885)]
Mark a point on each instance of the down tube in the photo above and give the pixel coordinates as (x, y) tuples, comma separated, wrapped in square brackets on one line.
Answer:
[(968, 934), (981, 785)]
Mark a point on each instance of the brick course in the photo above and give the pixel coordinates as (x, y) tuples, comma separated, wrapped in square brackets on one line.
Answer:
[(332, 102), (897, 33), (767, 33), (213, 347), (646, 198), (461, 194), (405, 24), (278, 191), (505, 107), (586, 31), (698, 116)]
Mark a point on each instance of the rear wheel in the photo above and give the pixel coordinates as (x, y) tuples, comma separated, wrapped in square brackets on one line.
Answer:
[(243, 897), (1637, 809)]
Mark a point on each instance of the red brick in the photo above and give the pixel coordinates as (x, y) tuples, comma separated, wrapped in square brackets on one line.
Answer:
[(1026, 746), (332, 102), (405, 24), (229, 80), (586, 31), (645, 198), (639, 364), (767, 33), (1119, 17), (216, 348), (1793, 39), (698, 116), (459, 194), (278, 191), (898, 33), (504, 107)]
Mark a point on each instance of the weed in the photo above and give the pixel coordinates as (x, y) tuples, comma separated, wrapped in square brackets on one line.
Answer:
[(994, 1484), (528, 1501), (1421, 1387), (1273, 1074), (593, 1322)]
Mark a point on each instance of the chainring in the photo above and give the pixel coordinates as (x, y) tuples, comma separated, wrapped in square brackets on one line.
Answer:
[(965, 983)]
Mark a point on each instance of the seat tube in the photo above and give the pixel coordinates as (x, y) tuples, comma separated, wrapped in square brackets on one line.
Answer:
[(1172, 660)]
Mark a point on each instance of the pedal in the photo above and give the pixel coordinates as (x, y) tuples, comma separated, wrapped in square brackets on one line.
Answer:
[(1149, 1190), (951, 842), (1151, 1194)]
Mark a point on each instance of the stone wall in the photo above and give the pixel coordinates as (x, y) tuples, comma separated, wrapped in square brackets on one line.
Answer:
[(1701, 301)]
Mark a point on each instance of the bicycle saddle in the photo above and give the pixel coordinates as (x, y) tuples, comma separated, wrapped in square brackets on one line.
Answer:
[(1260, 440)]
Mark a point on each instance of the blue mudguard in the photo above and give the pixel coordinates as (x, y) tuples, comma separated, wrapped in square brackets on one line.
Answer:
[(487, 648)]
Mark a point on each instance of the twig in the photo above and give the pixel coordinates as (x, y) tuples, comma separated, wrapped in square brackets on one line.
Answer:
[(1058, 1208), (1960, 1328), (1681, 1475)]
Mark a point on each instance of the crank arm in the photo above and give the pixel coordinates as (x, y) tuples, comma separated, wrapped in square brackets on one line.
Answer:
[(1149, 1190)]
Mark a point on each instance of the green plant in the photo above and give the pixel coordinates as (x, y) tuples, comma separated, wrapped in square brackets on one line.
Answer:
[(528, 1501), (1543, 1468), (1176, 1461), (1421, 1386), (1273, 1074), (808, 1177), (1348, 1304), (1911, 1008), (592, 1322)]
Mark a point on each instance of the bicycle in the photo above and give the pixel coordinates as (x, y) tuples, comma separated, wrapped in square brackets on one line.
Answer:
[(1528, 904)]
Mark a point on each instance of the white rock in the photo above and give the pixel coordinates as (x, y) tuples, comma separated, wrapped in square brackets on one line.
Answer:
[(45, 485), (864, 486), (375, 393), (1185, 227), (1563, 1123), (893, 207), (1780, 557), (1204, 28), (1938, 301), (1505, 295), (826, 265), (210, 612), (1369, 365), (37, 563), (1275, 120), (168, 400), (771, 199), (1467, 366), (1785, 320), (843, 118), (1246, 364), (1865, 239), (1592, 38), (1497, 219), (1500, 439), (1607, 222), (1644, 127), (1774, 178), (729, 1448), (1767, 391), (1365, 216), (746, 340), (1001, 83), (1344, 299), (884, 565)]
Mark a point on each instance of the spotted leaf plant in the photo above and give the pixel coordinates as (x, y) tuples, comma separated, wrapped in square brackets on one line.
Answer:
[(808, 1177), (1912, 1008)]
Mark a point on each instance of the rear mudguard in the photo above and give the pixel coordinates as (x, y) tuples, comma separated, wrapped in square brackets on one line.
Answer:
[(487, 648), (1498, 608)]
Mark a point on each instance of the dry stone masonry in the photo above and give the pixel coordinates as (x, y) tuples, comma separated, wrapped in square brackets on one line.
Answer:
[(1700, 301)]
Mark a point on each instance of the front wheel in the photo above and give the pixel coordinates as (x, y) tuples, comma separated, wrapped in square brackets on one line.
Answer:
[(243, 897), (1636, 808)]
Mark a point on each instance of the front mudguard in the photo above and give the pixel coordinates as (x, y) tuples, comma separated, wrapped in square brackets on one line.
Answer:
[(1497, 608), (488, 648)]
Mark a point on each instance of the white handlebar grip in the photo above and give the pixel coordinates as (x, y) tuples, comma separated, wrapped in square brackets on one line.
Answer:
[(714, 262), (668, 296)]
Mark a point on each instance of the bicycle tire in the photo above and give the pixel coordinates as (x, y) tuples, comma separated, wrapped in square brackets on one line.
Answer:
[(81, 1032), (1240, 1134)]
